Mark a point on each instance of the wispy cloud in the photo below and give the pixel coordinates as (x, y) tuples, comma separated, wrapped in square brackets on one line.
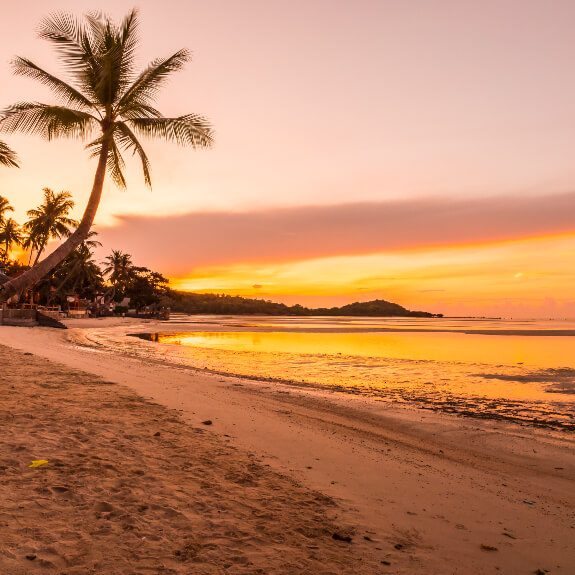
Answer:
[(178, 244)]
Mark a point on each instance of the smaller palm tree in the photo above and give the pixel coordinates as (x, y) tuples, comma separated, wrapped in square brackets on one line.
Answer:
[(80, 271), (10, 235), (8, 157), (118, 268), (49, 221), (4, 207)]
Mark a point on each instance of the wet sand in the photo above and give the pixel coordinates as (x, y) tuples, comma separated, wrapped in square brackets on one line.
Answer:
[(421, 492)]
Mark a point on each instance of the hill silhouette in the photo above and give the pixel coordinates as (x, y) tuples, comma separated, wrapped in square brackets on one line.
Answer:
[(209, 303)]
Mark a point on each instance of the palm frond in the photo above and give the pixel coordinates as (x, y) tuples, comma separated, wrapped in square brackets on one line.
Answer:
[(47, 121), (140, 110), (8, 157), (89, 243), (114, 49), (149, 82), (71, 38), (95, 21), (115, 165), (129, 39), (127, 139), (68, 94), (190, 130)]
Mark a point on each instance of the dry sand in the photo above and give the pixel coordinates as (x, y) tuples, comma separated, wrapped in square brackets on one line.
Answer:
[(268, 483), (129, 488)]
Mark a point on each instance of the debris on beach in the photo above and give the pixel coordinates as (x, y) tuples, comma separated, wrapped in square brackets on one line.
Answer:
[(38, 463), (341, 537)]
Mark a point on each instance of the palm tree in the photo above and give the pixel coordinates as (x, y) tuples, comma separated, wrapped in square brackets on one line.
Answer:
[(118, 270), (4, 207), (92, 243), (77, 273), (106, 100), (7, 156), (10, 234), (49, 221), (79, 261), (84, 271)]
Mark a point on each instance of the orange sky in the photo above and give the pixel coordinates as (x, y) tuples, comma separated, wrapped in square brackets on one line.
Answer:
[(418, 152)]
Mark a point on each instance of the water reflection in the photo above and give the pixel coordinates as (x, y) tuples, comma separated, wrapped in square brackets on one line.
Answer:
[(539, 351), (524, 379)]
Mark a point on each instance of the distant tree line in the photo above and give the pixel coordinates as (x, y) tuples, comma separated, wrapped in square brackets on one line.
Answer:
[(79, 274), (209, 303), (118, 279)]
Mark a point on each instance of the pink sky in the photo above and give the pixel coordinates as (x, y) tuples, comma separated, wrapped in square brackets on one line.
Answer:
[(363, 128)]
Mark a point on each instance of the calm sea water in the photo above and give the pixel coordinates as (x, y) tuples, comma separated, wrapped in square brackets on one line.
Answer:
[(522, 371)]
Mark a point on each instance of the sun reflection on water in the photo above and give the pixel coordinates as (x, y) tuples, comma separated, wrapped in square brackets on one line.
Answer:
[(529, 379)]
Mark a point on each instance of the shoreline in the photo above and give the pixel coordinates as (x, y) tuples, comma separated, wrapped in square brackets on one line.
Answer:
[(399, 472), (539, 412)]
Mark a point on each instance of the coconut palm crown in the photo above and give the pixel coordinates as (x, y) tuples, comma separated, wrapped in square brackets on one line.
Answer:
[(105, 102), (10, 234), (49, 221), (4, 207)]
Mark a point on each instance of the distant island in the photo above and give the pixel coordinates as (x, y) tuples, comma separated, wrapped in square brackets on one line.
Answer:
[(209, 303)]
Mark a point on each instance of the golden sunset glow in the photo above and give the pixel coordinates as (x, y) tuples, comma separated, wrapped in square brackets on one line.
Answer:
[(453, 279), (342, 170)]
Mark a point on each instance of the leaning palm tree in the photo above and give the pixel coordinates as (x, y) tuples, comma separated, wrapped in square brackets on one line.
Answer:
[(104, 100), (49, 221), (10, 235), (8, 156), (4, 207)]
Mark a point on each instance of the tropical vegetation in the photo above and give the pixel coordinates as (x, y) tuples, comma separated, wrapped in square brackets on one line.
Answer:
[(49, 221), (117, 283), (103, 101), (10, 235), (209, 303)]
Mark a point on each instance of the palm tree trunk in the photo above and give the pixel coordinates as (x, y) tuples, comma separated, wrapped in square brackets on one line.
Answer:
[(40, 250), (29, 279)]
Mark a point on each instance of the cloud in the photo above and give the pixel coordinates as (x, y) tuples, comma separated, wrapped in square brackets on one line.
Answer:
[(178, 244)]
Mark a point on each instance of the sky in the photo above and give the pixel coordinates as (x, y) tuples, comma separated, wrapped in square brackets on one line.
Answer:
[(419, 152)]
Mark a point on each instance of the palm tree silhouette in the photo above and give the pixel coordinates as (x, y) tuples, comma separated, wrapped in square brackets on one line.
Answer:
[(10, 235), (119, 266), (4, 207), (105, 99), (49, 221), (77, 270)]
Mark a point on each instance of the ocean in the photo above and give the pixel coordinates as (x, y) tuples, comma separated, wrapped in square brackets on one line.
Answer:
[(521, 371)]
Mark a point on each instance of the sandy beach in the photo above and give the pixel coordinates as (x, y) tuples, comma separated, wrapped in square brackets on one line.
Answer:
[(136, 482)]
